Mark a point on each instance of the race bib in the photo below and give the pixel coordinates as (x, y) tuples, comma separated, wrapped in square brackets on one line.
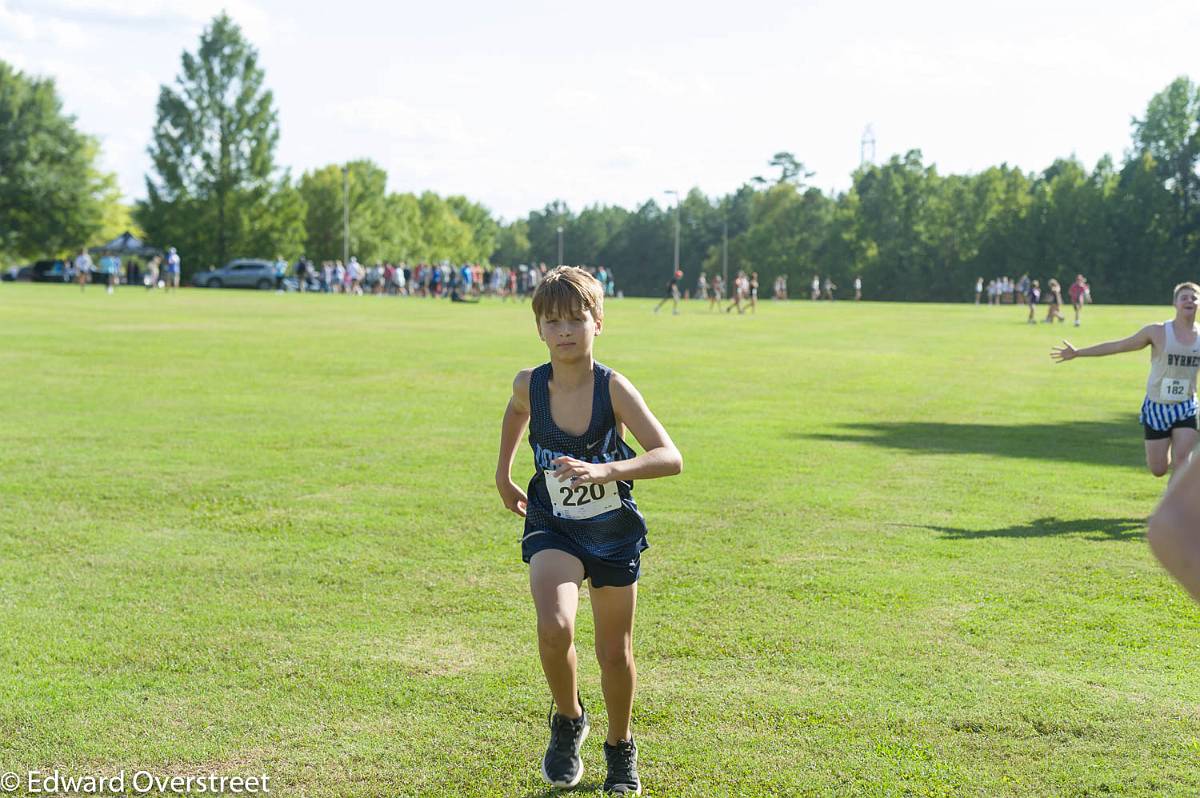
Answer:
[(1174, 390), (582, 501)]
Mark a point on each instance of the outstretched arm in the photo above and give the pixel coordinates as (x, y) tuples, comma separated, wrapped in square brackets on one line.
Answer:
[(516, 419), (1139, 340), (661, 458)]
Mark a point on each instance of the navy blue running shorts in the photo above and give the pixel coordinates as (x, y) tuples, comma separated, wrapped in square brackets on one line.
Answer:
[(601, 573)]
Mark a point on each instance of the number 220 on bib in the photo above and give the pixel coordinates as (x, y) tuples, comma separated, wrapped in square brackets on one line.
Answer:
[(581, 501)]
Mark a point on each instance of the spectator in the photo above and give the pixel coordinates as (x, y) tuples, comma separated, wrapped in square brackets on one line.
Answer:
[(173, 269)]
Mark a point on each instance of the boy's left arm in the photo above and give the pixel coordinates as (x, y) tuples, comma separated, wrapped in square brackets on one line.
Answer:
[(661, 458)]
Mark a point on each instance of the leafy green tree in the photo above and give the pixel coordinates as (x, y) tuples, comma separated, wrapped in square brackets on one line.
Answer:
[(273, 224), (512, 244), (731, 216), (444, 236), (1004, 196), (1142, 215), (790, 169), (52, 197), (641, 253), (789, 235), (844, 252), (1170, 134), (916, 234), (543, 233), (483, 227), (323, 189), (403, 228), (117, 218), (1067, 224), (888, 225), (213, 151), (699, 230), (588, 234)]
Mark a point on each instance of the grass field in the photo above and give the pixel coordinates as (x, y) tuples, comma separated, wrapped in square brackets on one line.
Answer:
[(248, 533)]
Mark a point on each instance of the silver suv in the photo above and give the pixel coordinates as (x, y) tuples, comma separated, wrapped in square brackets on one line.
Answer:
[(239, 273)]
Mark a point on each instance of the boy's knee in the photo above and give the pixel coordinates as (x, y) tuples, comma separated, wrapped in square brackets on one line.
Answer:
[(555, 634), (1157, 531), (1164, 532), (1158, 469), (618, 657)]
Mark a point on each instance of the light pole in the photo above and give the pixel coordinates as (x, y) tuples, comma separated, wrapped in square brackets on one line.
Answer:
[(676, 193), (560, 254), (346, 214)]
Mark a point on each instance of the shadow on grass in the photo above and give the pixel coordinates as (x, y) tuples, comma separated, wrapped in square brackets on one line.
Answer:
[(1116, 442), (1101, 529), (584, 787)]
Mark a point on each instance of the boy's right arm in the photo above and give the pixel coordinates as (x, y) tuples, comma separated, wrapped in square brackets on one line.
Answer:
[(1139, 340), (516, 419)]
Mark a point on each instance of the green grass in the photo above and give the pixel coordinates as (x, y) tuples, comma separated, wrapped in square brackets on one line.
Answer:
[(248, 533)]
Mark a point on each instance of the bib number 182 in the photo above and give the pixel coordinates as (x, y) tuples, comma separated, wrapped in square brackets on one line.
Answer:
[(1174, 390)]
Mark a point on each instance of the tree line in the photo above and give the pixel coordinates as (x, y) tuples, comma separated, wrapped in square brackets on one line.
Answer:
[(912, 233)]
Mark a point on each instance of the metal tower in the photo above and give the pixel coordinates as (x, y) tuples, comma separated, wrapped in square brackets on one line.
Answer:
[(866, 147)]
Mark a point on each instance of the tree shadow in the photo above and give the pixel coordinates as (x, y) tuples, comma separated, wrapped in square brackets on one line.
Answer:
[(1100, 529), (1115, 442)]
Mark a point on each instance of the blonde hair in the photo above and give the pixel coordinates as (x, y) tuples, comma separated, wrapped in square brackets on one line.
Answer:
[(1195, 289), (567, 290)]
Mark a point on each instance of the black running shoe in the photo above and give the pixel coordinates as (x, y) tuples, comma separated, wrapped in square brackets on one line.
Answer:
[(622, 768), (562, 766)]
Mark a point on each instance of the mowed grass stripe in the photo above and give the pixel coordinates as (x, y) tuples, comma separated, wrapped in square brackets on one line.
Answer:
[(247, 532)]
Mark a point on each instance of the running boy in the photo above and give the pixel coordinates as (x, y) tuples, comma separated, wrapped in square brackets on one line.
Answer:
[(1032, 299), (580, 518), (738, 292), (1169, 410), (672, 293), (1054, 295), (1080, 293), (718, 292)]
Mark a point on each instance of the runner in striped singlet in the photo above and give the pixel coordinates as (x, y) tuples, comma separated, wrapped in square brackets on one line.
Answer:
[(1169, 410)]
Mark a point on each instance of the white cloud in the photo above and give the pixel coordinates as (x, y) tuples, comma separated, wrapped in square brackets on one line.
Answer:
[(400, 120), (16, 24), (479, 99), (162, 15), (626, 158)]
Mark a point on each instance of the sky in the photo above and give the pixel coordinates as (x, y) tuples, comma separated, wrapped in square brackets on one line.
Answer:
[(520, 103)]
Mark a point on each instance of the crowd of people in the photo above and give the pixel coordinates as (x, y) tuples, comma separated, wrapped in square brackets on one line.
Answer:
[(743, 291), (464, 282), (1031, 294), (159, 272)]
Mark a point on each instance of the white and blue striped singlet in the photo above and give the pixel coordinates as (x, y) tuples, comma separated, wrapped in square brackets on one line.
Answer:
[(619, 534), (1175, 366)]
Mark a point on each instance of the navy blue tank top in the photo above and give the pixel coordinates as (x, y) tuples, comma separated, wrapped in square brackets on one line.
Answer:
[(618, 534)]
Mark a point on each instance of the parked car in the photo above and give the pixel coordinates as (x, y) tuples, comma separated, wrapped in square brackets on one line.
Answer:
[(239, 273), (48, 271), (17, 273)]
